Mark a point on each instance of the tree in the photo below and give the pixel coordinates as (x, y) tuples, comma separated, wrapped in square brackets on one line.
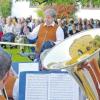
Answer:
[(65, 7), (5, 7), (84, 3), (90, 3), (40, 13), (53, 1), (63, 10), (96, 3)]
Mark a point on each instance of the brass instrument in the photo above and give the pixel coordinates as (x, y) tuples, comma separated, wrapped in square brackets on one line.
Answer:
[(83, 66)]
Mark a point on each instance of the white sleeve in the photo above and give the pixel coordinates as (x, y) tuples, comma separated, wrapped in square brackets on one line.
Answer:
[(59, 35), (4, 29), (34, 33), (16, 90)]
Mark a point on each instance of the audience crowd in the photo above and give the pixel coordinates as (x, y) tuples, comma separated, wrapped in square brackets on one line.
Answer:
[(14, 29)]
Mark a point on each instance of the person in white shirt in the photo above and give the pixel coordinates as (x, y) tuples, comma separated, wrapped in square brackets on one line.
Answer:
[(9, 27), (47, 31)]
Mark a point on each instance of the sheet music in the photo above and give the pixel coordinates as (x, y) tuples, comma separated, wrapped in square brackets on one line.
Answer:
[(62, 87), (36, 87), (51, 87)]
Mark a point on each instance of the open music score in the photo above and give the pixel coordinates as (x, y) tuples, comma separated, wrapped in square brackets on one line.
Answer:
[(51, 86)]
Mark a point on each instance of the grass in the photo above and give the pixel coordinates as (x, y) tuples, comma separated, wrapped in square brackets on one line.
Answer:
[(16, 57)]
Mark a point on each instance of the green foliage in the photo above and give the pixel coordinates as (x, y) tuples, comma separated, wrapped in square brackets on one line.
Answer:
[(65, 1), (96, 2), (5, 7), (37, 1), (40, 13), (84, 3), (54, 1)]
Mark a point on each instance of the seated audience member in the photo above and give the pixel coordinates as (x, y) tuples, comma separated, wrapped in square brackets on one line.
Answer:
[(7, 79), (1, 32), (21, 38), (9, 27), (64, 27)]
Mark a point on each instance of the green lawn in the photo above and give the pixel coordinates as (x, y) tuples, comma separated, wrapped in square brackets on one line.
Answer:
[(16, 57)]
